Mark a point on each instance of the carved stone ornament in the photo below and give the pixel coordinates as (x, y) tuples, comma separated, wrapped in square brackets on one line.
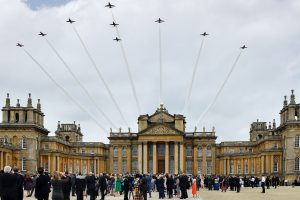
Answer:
[(160, 130)]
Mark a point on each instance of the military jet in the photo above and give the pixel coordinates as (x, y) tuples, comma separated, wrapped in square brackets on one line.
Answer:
[(109, 5), (204, 34), (42, 34), (70, 21), (244, 47), (19, 45), (114, 24), (159, 20), (117, 39)]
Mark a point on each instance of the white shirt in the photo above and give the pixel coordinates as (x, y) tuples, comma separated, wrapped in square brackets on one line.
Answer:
[(263, 179)]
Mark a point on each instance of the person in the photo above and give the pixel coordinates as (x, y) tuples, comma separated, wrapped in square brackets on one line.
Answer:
[(33, 186), (149, 187), (8, 185), (42, 185), (90, 184), (118, 184), (126, 187), (170, 186), (57, 186), (177, 187), (73, 179), (194, 188), (102, 185), (263, 181), (143, 187), (28, 184), (66, 185), (252, 182), (160, 187), (20, 183), (183, 184), (80, 184)]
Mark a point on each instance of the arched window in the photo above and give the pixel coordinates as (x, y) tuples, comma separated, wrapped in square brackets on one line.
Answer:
[(297, 164), (124, 152), (189, 151), (297, 141), (17, 117), (116, 152), (200, 152), (24, 142)]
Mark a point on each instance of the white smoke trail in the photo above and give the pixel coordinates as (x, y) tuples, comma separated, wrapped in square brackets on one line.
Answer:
[(187, 99), (127, 65), (63, 90), (79, 83), (100, 75), (160, 66), (220, 89)]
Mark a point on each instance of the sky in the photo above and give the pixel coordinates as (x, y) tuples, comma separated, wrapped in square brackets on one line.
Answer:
[(264, 73)]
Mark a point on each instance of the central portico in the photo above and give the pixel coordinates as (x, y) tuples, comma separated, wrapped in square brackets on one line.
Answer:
[(162, 145)]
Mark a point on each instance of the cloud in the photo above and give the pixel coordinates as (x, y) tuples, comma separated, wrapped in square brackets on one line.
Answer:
[(264, 74)]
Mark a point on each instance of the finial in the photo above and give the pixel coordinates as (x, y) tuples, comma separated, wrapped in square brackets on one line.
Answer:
[(213, 129), (74, 122), (274, 124), (195, 130), (29, 95), (285, 101), (18, 102), (58, 124), (29, 101), (269, 125), (39, 104), (110, 130), (120, 129), (161, 105), (203, 128), (292, 98), (256, 120), (7, 101), (128, 129), (7, 95)]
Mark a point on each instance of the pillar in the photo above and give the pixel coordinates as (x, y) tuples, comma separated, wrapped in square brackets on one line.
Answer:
[(176, 161), (195, 156), (181, 161), (128, 158), (204, 164), (2, 160), (140, 157), (167, 158), (145, 156), (154, 158), (120, 156), (224, 166), (111, 159), (272, 164), (262, 164)]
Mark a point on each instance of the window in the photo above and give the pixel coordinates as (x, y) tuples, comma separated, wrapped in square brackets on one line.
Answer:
[(24, 142), (46, 146), (189, 151), (209, 167), (275, 146), (161, 149), (231, 171), (189, 166), (83, 150), (297, 141), (116, 152), (17, 117), (200, 167), (124, 166), (200, 152), (252, 169), (46, 166), (246, 169), (297, 164), (172, 166), (115, 166), (150, 149), (275, 166), (76, 168), (70, 168), (24, 164), (239, 171), (134, 166), (150, 166), (208, 152), (65, 167), (134, 150), (172, 149), (124, 152)]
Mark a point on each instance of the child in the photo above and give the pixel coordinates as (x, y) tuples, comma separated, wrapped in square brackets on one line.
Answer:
[(194, 188)]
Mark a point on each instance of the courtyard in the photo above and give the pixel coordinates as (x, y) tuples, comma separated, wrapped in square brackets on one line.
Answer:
[(281, 193)]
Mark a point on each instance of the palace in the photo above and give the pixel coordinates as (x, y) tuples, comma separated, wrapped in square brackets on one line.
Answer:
[(161, 145)]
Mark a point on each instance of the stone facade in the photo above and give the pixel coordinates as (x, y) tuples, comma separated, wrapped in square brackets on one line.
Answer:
[(161, 144)]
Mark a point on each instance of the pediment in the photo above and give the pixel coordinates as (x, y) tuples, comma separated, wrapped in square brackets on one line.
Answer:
[(161, 117), (161, 130)]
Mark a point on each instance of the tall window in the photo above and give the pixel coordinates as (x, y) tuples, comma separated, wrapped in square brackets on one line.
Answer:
[(189, 166), (208, 152), (209, 167), (239, 171), (134, 166), (24, 164), (150, 166), (297, 164), (297, 141), (246, 169), (252, 169), (115, 151), (70, 168), (189, 151), (124, 166), (124, 152), (115, 166), (134, 150), (17, 117), (150, 149), (161, 149), (172, 166), (24, 142), (172, 149), (200, 167), (275, 163), (231, 169), (200, 152)]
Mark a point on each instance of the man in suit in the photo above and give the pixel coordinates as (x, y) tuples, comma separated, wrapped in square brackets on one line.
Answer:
[(80, 184), (20, 183), (8, 185), (42, 185), (102, 185), (91, 185), (66, 186)]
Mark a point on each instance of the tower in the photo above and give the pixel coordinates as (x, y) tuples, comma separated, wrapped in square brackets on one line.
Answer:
[(69, 132)]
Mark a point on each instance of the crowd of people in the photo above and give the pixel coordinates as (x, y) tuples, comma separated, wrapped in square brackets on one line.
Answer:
[(61, 186)]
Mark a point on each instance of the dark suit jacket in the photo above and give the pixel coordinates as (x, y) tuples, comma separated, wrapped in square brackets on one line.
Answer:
[(8, 185), (42, 186)]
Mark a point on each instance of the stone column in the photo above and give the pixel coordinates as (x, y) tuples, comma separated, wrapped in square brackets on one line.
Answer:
[(224, 166), (272, 164), (120, 156), (262, 164), (145, 156), (58, 164), (140, 157), (228, 166), (128, 158), (242, 166), (167, 158), (176, 161), (181, 157), (111, 159), (195, 156), (49, 163), (204, 164), (267, 161), (2, 160), (154, 158)]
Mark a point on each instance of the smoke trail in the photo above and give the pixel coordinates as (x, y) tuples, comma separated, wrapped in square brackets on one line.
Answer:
[(127, 65), (220, 89), (63, 90), (79, 83), (100, 75), (160, 66), (187, 99)]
